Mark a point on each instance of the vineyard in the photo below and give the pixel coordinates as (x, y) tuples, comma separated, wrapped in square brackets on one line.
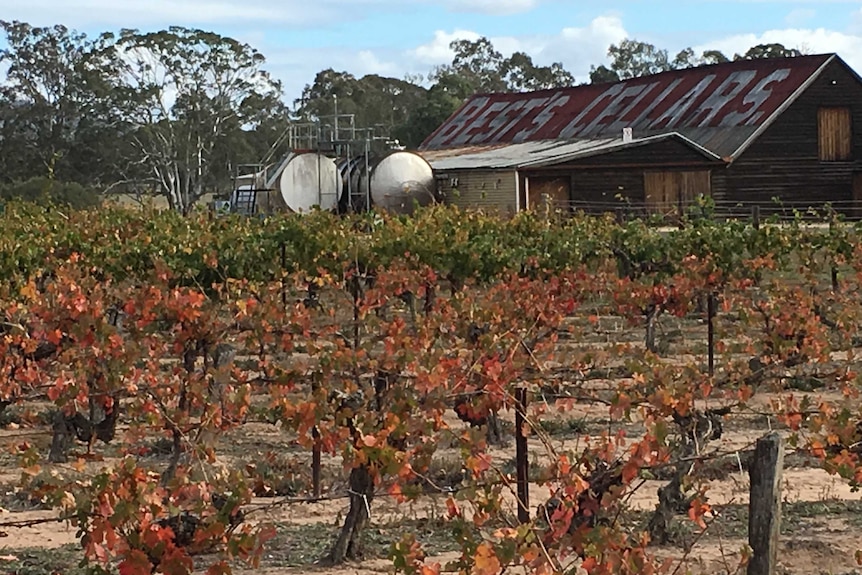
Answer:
[(290, 394)]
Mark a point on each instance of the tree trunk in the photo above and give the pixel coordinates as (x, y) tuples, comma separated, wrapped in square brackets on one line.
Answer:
[(348, 545)]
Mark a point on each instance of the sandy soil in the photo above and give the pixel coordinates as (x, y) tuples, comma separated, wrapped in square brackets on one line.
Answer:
[(822, 536)]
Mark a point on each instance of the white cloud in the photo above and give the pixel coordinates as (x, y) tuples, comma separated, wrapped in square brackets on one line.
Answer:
[(576, 47), (369, 63), (579, 48), (816, 41), (437, 51)]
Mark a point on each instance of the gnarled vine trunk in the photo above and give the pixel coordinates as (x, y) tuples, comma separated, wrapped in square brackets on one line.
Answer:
[(348, 546), (651, 323)]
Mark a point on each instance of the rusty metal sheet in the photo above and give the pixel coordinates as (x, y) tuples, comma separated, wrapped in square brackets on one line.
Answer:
[(717, 106), (544, 153)]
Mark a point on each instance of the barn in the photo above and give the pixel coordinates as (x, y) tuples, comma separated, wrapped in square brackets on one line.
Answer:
[(744, 133)]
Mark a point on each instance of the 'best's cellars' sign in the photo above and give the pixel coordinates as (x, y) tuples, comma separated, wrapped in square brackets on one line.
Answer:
[(725, 96)]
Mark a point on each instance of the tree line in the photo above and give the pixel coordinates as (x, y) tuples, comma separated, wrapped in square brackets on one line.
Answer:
[(175, 112)]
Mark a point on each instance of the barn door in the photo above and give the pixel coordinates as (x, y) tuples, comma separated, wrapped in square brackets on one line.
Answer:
[(552, 191), (660, 192), (669, 193)]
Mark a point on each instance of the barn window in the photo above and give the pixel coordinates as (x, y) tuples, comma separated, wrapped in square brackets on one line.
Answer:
[(835, 134), (669, 192)]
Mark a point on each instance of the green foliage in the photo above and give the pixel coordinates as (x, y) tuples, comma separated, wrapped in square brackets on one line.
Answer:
[(54, 104), (774, 50), (185, 92), (633, 58), (367, 375), (174, 111), (43, 191)]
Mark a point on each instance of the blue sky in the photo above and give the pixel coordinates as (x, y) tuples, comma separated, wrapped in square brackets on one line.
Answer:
[(399, 37)]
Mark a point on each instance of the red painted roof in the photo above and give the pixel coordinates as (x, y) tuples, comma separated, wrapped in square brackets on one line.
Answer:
[(718, 106)]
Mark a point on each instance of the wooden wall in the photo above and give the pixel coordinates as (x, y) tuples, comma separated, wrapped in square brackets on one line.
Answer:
[(607, 181), (810, 155), (785, 161), (668, 192)]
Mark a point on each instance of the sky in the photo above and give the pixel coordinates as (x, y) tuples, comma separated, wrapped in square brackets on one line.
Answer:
[(400, 37)]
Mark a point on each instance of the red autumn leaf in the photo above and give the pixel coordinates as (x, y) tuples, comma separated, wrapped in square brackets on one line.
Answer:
[(630, 471), (452, 508), (176, 562), (136, 563), (55, 336), (697, 511), (589, 565), (396, 493)]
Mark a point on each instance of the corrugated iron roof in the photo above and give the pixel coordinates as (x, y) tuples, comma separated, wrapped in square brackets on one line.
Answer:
[(721, 107), (544, 153)]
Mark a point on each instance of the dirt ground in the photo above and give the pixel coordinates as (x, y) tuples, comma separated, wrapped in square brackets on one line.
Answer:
[(821, 523)]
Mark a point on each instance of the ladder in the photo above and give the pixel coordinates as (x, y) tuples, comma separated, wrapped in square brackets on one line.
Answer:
[(243, 201)]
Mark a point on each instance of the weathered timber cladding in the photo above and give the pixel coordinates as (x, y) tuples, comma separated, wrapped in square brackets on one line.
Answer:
[(487, 189), (835, 134), (610, 181), (554, 191), (785, 160), (669, 192), (660, 191), (605, 190)]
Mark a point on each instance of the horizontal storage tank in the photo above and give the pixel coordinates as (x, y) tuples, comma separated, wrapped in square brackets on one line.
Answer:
[(305, 180), (399, 179), (352, 195)]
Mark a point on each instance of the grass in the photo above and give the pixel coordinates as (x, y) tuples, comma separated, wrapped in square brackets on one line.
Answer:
[(563, 427), (800, 519), (37, 561), (303, 545)]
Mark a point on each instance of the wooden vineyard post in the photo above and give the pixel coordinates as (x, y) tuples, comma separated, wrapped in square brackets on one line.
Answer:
[(315, 462), (755, 217), (834, 268), (521, 462), (764, 513), (283, 267), (710, 333), (315, 451)]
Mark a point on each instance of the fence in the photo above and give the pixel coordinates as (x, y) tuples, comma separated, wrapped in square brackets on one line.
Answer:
[(670, 213)]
